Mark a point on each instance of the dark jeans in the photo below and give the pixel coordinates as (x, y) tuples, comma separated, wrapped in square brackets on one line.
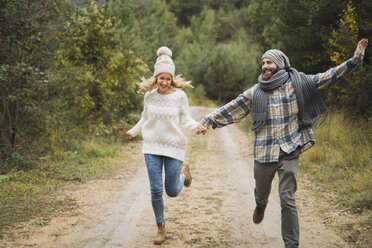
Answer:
[(287, 171)]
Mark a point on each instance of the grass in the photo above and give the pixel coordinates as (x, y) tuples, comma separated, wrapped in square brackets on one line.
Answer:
[(246, 124), (342, 161), (26, 195)]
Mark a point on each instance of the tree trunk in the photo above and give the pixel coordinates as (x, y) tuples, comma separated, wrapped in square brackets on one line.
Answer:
[(14, 126)]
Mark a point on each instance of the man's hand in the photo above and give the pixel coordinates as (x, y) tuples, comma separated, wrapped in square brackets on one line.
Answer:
[(362, 45), (201, 129)]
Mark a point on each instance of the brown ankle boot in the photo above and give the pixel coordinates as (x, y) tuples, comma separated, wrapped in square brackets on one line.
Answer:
[(160, 236), (188, 178)]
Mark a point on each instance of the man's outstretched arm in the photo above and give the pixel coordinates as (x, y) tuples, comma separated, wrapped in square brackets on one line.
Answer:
[(232, 112), (325, 79)]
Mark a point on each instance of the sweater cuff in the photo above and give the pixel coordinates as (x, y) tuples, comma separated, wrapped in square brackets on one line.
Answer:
[(133, 132)]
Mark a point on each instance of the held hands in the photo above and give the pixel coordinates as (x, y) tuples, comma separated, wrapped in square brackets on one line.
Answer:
[(201, 129), (362, 45)]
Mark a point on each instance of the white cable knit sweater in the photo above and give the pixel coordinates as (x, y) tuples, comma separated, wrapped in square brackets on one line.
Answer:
[(162, 123)]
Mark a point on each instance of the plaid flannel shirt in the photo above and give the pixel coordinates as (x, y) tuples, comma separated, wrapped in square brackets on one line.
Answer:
[(281, 129)]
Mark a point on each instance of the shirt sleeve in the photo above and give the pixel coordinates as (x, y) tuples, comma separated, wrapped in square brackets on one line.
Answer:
[(232, 112), (138, 127), (325, 79), (188, 123)]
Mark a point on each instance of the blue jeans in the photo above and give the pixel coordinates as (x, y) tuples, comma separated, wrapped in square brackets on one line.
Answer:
[(173, 180)]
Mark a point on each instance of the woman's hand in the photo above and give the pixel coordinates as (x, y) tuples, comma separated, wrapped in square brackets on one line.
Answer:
[(129, 136)]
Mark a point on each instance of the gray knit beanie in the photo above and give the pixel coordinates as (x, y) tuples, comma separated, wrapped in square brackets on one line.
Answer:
[(279, 58), (164, 62)]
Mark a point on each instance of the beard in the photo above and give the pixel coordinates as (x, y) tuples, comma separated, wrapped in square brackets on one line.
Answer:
[(265, 76)]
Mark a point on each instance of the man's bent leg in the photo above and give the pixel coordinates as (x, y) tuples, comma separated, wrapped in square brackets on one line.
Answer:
[(263, 174)]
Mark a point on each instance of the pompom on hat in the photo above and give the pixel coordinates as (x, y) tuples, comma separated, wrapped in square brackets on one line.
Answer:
[(164, 62), (279, 58)]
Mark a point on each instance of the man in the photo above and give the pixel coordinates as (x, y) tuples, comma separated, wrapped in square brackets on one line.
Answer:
[(284, 104)]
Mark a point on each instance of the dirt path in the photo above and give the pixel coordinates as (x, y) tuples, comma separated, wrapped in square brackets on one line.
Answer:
[(216, 211)]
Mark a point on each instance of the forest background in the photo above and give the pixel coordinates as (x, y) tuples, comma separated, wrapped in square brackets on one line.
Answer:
[(69, 72)]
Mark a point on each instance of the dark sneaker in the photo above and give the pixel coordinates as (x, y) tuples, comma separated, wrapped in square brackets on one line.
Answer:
[(258, 214)]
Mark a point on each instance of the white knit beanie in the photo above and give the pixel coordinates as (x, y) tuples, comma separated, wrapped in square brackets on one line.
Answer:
[(279, 58), (164, 62)]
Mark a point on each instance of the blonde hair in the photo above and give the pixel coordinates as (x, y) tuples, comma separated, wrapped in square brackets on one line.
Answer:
[(150, 83)]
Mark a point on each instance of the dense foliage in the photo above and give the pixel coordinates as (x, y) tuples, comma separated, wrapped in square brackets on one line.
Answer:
[(68, 69), (97, 75), (26, 52)]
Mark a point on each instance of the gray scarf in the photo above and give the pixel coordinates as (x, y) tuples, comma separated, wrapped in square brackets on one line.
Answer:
[(310, 104)]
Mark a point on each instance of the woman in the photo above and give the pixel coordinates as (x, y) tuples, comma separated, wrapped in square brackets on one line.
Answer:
[(163, 120)]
